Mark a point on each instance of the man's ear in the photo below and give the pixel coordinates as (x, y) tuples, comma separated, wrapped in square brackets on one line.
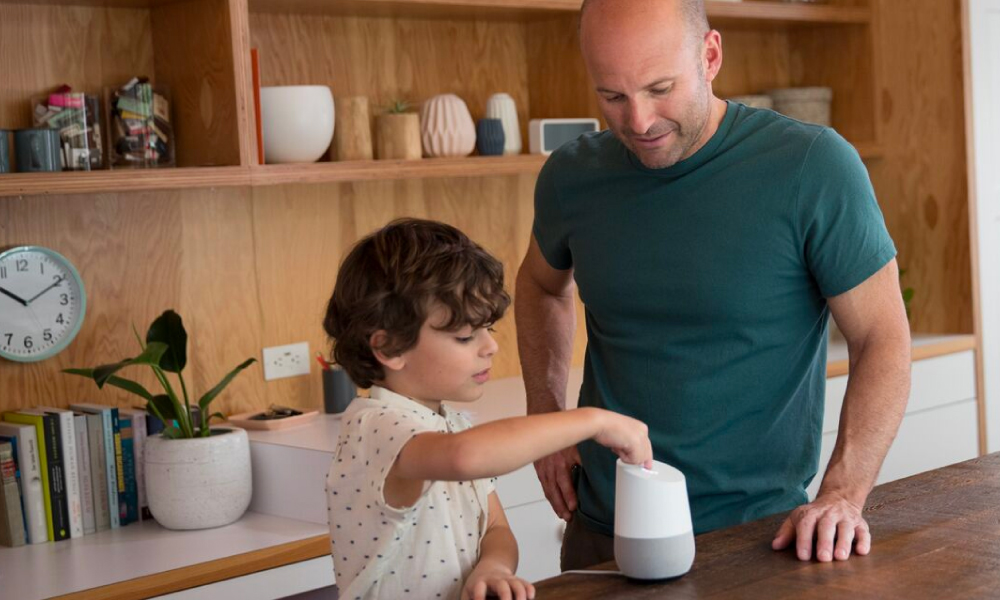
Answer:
[(378, 340)]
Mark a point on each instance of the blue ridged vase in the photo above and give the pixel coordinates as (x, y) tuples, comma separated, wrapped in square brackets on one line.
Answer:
[(489, 137)]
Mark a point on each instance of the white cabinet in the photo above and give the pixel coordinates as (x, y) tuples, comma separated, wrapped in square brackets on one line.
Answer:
[(982, 26), (940, 425), (539, 535)]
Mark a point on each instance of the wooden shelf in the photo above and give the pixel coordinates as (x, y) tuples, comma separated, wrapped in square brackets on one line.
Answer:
[(474, 166), (127, 180), (924, 346), (43, 184), (719, 11)]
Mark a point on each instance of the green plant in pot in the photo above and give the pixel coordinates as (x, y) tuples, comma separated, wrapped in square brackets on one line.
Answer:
[(195, 477)]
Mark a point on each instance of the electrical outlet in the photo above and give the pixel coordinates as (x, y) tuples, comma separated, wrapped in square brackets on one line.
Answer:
[(286, 361)]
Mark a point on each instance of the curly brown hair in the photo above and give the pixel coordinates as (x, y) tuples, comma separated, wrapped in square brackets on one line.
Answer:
[(392, 279)]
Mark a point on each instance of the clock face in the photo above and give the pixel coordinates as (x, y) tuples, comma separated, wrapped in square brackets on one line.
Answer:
[(42, 303)]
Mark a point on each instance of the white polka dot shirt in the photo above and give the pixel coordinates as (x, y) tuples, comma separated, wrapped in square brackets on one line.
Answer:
[(425, 551)]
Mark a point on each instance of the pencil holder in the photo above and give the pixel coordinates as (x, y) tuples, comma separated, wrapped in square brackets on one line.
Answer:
[(338, 390)]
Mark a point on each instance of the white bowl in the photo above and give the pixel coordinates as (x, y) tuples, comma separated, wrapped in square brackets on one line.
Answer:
[(297, 122)]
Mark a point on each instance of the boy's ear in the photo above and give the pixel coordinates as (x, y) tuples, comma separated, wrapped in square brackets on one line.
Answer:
[(378, 340)]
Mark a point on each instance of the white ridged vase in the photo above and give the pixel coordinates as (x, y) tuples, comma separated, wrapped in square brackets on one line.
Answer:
[(446, 127), (501, 106), (198, 483)]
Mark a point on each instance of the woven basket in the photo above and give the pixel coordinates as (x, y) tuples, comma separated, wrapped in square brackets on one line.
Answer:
[(809, 104), (754, 101)]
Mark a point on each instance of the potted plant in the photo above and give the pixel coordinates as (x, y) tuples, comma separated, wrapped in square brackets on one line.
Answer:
[(397, 132), (196, 476)]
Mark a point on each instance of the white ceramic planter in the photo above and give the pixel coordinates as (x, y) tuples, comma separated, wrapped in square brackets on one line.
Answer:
[(297, 122), (198, 483)]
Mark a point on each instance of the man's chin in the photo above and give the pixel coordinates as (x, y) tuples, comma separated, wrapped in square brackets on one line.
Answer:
[(657, 160)]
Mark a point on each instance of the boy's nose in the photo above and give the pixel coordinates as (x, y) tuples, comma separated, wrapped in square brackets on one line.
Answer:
[(490, 346)]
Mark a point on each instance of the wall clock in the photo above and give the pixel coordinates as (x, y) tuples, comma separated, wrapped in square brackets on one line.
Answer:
[(42, 303)]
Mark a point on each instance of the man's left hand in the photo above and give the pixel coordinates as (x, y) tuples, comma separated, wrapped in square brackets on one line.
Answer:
[(833, 521)]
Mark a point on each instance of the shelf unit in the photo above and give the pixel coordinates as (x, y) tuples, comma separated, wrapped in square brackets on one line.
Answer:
[(279, 231)]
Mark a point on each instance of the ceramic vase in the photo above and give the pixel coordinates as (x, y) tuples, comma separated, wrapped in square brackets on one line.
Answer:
[(198, 483), (446, 127), (297, 122), (501, 106), (490, 137)]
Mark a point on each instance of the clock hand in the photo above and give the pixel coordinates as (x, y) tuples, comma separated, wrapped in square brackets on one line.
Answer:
[(13, 295), (35, 297)]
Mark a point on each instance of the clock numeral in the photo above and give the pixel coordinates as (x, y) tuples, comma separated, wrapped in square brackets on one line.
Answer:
[(63, 299), (47, 335), (10, 338), (27, 342), (41, 267), (60, 319), (3, 272), (22, 265)]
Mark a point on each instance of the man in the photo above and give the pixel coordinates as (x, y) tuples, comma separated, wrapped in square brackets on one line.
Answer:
[(710, 244)]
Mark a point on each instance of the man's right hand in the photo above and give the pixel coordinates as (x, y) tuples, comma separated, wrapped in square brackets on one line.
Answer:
[(555, 473)]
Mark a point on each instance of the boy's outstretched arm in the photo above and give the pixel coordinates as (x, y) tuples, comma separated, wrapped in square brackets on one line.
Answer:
[(503, 446), (497, 562)]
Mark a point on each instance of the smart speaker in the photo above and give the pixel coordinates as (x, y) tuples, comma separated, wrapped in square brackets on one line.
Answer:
[(653, 534)]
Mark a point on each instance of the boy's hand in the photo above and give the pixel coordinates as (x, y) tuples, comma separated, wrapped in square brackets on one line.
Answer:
[(496, 580), (626, 437)]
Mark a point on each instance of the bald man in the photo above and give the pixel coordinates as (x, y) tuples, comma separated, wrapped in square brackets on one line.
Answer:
[(710, 243)]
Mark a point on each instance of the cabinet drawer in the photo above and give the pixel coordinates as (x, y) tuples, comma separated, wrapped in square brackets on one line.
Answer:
[(926, 440), (539, 534), (935, 382), (519, 487)]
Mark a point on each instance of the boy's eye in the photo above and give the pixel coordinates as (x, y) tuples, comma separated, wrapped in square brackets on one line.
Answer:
[(464, 339)]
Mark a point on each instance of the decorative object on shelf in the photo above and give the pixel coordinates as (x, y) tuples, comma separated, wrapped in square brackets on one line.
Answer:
[(43, 302), (397, 133), (338, 389), (275, 417), (754, 100), (501, 106), (808, 104), (446, 127), (37, 150), (197, 476), (77, 118), (4, 151), (490, 137), (141, 131), (352, 135), (297, 122), (545, 135)]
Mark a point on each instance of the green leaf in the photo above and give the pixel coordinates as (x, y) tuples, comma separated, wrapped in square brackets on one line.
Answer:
[(216, 414), (119, 382), (150, 356), (212, 393), (907, 294), (165, 408), (169, 329), (172, 433)]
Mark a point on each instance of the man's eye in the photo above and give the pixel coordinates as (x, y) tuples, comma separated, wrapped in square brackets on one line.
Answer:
[(659, 92), (614, 98)]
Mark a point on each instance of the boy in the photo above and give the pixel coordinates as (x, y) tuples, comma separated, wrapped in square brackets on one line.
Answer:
[(413, 511)]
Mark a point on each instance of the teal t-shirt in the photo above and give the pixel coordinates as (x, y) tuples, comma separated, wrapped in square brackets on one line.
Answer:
[(705, 287)]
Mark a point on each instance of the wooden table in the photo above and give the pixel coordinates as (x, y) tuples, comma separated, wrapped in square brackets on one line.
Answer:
[(935, 535)]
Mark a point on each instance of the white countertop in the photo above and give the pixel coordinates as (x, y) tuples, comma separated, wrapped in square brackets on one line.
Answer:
[(136, 550)]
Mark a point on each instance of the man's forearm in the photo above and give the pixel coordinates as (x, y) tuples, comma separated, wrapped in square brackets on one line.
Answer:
[(545, 328), (878, 389)]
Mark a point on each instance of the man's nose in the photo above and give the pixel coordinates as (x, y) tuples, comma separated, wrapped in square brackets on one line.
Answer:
[(641, 116)]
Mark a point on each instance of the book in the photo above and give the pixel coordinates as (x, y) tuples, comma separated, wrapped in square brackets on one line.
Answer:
[(86, 478), (17, 478), (11, 518), (110, 461), (32, 494), (98, 470), (119, 465), (139, 450), (71, 468), (50, 457), (128, 509)]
